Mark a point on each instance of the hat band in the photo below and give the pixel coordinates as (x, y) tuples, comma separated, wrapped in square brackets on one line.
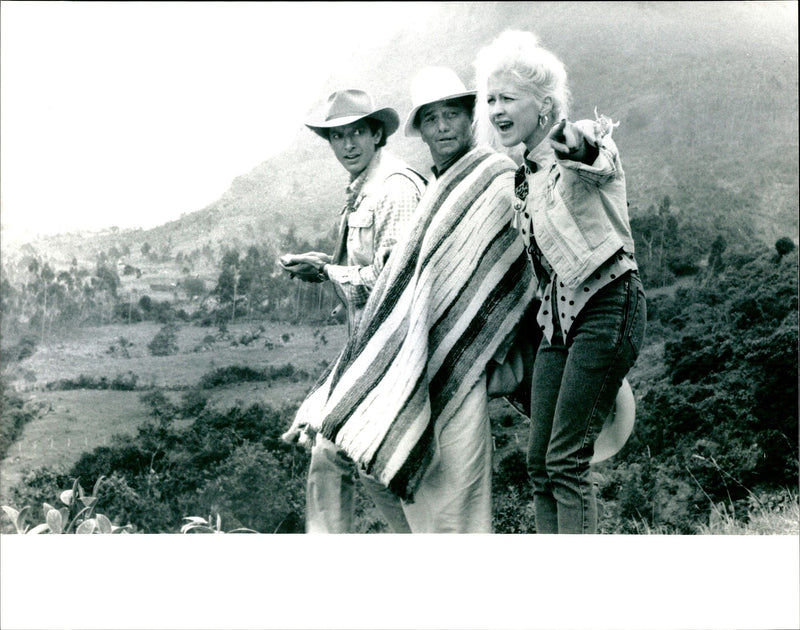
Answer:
[(346, 115)]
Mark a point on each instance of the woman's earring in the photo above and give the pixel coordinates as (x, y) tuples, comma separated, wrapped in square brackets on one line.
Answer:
[(543, 121)]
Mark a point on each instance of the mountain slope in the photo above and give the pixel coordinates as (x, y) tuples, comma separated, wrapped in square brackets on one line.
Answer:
[(706, 92)]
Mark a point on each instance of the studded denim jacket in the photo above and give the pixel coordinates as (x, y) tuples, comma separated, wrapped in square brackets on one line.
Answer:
[(578, 211)]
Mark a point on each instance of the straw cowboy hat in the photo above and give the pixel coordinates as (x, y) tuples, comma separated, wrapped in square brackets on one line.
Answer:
[(432, 84), (617, 427), (348, 106)]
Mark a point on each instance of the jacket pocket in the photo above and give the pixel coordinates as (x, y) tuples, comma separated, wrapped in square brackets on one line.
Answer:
[(580, 199), (360, 219), (560, 239)]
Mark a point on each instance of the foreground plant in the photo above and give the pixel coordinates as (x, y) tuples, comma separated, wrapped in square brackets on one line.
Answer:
[(211, 525), (77, 517)]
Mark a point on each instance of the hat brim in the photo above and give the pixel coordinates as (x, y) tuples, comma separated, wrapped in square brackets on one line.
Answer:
[(388, 116), (617, 427), (411, 131)]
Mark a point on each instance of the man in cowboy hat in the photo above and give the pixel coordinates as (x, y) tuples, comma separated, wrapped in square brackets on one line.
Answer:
[(380, 199), (442, 115)]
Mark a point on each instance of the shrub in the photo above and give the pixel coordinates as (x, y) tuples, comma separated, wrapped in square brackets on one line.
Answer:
[(192, 403), (16, 413), (784, 245), (229, 375), (165, 342), (231, 463), (23, 349), (251, 489), (242, 374), (77, 517), (512, 513), (126, 381), (39, 486)]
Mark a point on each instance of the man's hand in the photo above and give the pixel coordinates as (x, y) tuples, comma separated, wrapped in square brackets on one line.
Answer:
[(300, 435), (307, 267), (316, 259)]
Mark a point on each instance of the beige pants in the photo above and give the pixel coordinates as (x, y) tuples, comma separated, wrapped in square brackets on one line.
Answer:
[(330, 493), (455, 495)]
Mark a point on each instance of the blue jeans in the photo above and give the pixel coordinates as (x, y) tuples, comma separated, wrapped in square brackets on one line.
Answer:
[(575, 383)]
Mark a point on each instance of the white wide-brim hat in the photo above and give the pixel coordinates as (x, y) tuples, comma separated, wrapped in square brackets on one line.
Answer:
[(347, 106), (617, 427), (430, 85)]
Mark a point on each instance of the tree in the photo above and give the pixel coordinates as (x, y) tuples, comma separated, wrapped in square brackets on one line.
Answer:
[(255, 282), (107, 279), (228, 280), (715, 262), (783, 246), (194, 287), (165, 342), (47, 276)]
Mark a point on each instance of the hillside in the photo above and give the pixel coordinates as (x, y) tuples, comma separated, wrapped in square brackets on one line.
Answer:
[(707, 96)]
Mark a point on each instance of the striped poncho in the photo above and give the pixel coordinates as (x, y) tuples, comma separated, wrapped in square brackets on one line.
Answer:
[(452, 291)]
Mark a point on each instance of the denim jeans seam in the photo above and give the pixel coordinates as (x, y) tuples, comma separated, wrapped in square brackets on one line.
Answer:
[(622, 336), (640, 300), (625, 328)]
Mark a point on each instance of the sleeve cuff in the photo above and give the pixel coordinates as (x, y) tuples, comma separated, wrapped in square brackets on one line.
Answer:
[(343, 274)]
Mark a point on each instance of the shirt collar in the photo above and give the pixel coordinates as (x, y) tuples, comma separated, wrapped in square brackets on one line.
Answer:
[(438, 172), (355, 186), (540, 156)]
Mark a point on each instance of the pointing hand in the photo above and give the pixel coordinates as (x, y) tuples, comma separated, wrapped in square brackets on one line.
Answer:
[(567, 140)]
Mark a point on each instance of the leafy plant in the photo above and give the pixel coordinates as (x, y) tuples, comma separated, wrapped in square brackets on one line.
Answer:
[(198, 524), (78, 515)]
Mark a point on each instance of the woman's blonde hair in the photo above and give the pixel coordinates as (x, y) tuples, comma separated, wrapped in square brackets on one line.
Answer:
[(536, 70)]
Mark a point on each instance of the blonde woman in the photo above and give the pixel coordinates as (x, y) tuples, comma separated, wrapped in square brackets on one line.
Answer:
[(572, 217)]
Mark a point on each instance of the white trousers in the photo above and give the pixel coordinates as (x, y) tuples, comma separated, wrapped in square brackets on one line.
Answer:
[(330, 493), (455, 495)]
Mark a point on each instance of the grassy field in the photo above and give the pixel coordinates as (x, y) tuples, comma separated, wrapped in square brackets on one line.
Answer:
[(87, 351), (76, 421)]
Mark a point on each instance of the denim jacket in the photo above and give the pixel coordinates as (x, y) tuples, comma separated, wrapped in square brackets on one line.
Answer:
[(579, 211)]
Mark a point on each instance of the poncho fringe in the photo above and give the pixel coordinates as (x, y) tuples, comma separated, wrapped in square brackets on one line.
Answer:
[(452, 291)]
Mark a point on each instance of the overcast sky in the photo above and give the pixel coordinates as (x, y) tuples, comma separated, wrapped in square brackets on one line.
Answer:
[(130, 114)]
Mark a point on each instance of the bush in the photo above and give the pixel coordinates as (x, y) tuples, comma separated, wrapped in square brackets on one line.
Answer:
[(242, 374), (23, 349), (231, 462), (126, 381), (193, 403), (38, 487), (16, 413), (512, 512), (251, 489), (229, 375), (165, 342)]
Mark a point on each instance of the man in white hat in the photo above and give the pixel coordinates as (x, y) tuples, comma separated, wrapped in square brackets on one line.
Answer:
[(442, 115), (382, 194)]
